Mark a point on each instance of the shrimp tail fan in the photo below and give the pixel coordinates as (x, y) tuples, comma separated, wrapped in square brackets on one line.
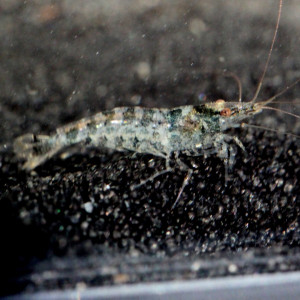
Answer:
[(35, 149)]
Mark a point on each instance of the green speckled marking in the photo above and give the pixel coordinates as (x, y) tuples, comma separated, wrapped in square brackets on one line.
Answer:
[(109, 115), (72, 134), (92, 127), (204, 110), (147, 117), (129, 114), (88, 140), (173, 116), (119, 141), (135, 142)]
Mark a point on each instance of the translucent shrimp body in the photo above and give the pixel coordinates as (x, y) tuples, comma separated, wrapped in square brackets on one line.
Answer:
[(157, 131)]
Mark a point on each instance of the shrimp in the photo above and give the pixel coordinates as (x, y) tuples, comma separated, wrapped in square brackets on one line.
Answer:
[(191, 129), (156, 131)]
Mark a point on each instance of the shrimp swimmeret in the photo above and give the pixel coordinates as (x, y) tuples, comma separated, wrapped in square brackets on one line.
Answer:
[(191, 129)]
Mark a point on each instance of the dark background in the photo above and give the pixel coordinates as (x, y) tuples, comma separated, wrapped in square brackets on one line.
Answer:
[(76, 221)]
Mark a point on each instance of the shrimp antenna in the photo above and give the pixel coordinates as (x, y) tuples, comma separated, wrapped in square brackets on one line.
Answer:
[(280, 110), (269, 55), (230, 74), (280, 93), (269, 129)]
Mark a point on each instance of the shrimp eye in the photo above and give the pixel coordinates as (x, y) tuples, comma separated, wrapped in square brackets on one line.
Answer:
[(226, 112)]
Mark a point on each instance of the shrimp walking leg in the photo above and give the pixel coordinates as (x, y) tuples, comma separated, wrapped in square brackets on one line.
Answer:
[(157, 174)]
